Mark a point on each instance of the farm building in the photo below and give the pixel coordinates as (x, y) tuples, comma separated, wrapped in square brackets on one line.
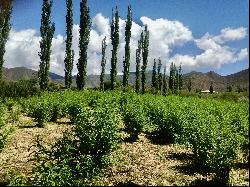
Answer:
[(207, 91)]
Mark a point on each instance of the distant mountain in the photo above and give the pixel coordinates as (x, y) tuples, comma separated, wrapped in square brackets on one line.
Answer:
[(203, 80), (199, 80), (17, 73)]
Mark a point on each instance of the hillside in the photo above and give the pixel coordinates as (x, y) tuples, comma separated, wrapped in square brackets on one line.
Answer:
[(199, 80)]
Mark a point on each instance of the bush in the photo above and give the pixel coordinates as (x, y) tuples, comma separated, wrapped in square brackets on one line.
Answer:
[(21, 88), (4, 132), (82, 152), (134, 115)]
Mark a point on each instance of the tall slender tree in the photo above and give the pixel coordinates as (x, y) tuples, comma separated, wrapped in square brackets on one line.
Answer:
[(47, 30), (145, 45), (189, 85), (5, 26), (69, 56), (159, 75), (138, 62), (85, 23), (164, 82), (103, 63), (126, 62), (154, 76), (180, 78), (171, 76), (115, 43)]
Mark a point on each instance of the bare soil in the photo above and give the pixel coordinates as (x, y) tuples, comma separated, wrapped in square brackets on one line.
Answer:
[(141, 162)]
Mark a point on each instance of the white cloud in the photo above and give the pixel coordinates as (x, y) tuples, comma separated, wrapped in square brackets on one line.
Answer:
[(23, 46), (214, 54), (229, 34)]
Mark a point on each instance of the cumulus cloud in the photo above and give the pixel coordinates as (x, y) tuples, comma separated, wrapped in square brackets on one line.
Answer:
[(214, 54), (23, 46)]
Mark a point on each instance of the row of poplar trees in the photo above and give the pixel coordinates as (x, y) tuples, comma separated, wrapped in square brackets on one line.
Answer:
[(47, 30)]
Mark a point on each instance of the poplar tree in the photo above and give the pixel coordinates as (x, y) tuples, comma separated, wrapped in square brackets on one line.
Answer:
[(159, 75), (171, 76), (176, 78), (153, 84), (164, 82), (145, 45), (115, 43), (211, 89), (5, 26), (189, 86), (138, 62), (126, 62), (103, 63), (180, 78), (85, 24), (47, 30), (69, 56)]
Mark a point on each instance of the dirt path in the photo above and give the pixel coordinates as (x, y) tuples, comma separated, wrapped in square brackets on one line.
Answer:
[(138, 163)]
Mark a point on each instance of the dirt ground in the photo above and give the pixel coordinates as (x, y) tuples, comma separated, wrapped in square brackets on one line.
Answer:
[(142, 162)]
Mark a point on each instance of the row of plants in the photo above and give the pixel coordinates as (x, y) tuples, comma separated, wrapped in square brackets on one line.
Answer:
[(5, 117), (216, 131)]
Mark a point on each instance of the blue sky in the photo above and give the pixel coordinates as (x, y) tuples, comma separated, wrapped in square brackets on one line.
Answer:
[(199, 16)]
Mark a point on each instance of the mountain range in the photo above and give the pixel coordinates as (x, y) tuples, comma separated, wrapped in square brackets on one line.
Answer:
[(199, 80)]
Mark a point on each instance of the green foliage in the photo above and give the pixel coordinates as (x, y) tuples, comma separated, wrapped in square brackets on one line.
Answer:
[(5, 26), (4, 131), (165, 86), (69, 56), (115, 42), (145, 45), (21, 88), (159, 76), (126, 62), (85, 24), (215, 130), (14, 178), (138, 62), (103, 63), (47, 30), (189, 85), (134, 115), (211, 90), (83, 151), (154, 76)]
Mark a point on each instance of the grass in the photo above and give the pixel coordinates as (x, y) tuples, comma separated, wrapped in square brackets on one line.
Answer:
[(143, 162)]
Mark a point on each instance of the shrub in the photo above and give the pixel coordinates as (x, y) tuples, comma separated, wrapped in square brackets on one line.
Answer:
[(133, 114)]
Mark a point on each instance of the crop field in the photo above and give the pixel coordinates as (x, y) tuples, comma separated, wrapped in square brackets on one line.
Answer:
[(121, 138)]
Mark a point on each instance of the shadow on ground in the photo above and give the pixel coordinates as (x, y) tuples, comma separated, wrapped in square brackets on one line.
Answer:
[(180, 156), (203, 182), (158, 138), (191, 169)]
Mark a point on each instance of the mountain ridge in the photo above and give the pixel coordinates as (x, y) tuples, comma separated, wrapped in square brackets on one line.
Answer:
[(199, 80)]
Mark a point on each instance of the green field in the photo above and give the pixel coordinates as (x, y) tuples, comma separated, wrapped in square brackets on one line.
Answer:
[(114, 137)]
